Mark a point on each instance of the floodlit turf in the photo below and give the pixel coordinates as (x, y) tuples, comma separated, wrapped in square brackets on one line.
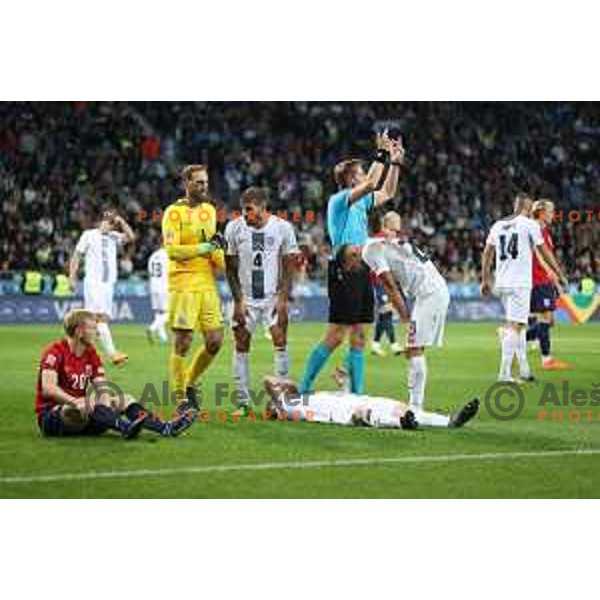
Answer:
[(245, 459)]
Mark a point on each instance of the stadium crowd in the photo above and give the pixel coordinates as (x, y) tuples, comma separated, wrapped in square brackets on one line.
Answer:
[(60, 161)]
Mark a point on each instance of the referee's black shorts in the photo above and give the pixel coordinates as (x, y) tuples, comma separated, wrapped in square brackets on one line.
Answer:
[(351, 298)]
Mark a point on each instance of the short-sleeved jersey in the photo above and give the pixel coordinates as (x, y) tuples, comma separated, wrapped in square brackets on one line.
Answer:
[(340, 406), (157, 271), (414, 272), (539, 273), (99, 250), (260, 251), (514, 241), (74, 373), (348, 224), (189, 226)]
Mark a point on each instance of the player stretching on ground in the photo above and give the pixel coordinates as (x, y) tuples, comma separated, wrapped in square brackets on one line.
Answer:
[(189, 231), (345, 408), (545, 291), (259, 258), (98, 248), (351, 293), (404, 269), (159, 294), (65, 404), (512, 241)]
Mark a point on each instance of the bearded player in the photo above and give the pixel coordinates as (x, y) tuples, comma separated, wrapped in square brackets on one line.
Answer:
[(69, 401), (261, 250), (545, 291), (195, 254)]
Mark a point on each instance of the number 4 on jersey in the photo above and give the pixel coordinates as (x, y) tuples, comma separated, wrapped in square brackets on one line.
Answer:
[(512, 249)]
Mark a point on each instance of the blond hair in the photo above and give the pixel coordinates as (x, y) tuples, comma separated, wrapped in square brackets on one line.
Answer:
[(76, 317), (540, 205)]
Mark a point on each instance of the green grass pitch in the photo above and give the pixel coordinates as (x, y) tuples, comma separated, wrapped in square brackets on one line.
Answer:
[(319, 461)]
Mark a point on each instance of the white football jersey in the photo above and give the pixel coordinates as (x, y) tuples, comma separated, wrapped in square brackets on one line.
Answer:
[(339, 407), (157, 271), (410, 266), (259, 251), (514, 241), (100, 254)]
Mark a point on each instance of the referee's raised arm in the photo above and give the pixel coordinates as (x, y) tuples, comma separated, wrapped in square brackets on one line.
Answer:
[(360, 185)]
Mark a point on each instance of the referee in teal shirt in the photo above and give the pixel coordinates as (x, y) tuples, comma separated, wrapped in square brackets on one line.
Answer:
[(351, 292)]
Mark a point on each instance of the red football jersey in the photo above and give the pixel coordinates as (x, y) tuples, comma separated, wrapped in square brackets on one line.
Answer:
[(540, 275), (74, 372)]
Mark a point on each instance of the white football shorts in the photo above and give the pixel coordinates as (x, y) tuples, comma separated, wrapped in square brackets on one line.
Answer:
[(428, 320), (516, 304), (98, 297)]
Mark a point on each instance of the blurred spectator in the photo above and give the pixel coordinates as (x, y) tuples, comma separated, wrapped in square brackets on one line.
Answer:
[(465, 162)]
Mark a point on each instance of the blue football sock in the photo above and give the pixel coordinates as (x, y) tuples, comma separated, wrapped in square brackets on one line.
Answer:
[(533, 332), (135, 410), (355, 363), (317, 359)]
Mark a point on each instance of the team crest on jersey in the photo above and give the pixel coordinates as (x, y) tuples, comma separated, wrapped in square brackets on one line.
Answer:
[(270, 241), (88, 370)]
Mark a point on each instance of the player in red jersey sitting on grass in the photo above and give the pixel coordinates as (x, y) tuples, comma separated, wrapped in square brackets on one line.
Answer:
[(70, 400)]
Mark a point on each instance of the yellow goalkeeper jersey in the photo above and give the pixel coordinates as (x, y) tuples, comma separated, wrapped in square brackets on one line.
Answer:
[(184, 225)]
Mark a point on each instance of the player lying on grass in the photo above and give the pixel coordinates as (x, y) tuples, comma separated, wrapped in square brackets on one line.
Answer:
[(341, 407), (65, 401)]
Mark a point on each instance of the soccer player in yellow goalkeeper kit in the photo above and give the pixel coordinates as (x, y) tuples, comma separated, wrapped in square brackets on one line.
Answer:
[(195, 255)]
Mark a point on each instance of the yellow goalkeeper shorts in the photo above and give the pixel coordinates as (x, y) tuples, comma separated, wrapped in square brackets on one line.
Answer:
[(200, 311)]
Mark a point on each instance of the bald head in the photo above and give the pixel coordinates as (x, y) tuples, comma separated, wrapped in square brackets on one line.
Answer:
[(392, 221)]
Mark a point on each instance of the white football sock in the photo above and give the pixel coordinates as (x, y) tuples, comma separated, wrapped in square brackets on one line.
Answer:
[(241, 374), (106, 339), (162, 327), (281, 362), (509, 347), (429, 419), (417, 378), (521, 351)]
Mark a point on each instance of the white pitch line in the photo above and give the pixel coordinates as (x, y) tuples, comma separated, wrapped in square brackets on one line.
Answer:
[(274, 466)]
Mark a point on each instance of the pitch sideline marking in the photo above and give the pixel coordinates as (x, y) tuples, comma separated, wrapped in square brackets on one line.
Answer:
[(272, 466)]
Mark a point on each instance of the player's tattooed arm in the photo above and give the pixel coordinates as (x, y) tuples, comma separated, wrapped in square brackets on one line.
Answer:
[(286, 273), (232, 265), (486, 267), (284, 288), (395, 295)]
